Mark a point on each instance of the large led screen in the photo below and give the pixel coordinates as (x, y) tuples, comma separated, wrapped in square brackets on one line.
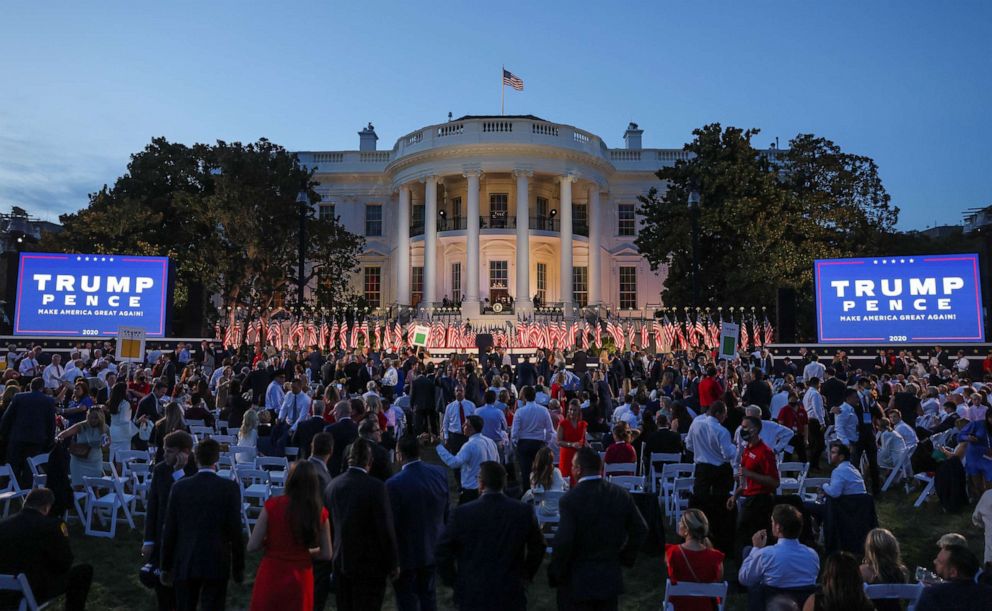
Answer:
[(891, 300), (91, 295)]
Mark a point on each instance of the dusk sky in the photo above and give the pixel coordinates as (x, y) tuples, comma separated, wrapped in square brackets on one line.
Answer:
[(84, 85)]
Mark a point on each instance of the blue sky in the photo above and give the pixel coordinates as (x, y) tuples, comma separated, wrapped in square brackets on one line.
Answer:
[(84, 85)]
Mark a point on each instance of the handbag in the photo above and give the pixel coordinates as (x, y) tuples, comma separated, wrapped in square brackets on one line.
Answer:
[(79, 450)]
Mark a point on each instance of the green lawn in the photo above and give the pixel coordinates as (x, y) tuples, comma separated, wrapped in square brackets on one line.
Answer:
[(116, 561)]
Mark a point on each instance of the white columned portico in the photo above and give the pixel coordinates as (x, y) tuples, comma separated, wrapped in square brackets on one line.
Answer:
[(403, 248), (430, 240), (471, 306), (595, 235), (522, 301), (565, 214)]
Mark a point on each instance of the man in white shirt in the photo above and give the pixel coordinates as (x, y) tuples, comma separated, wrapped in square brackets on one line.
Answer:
[(713, 450), (532, 430), (775, 436), (390, 378), (295, 406), (813, 403), (30, 368), (905, 431), (814, 369), (73, 371), (961, 363), (779, 400), (845, 422), (274, 394), (53, 374), (621, 410), (475, 451), (786, 565)]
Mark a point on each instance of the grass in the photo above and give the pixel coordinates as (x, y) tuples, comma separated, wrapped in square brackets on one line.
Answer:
[(116, 561)]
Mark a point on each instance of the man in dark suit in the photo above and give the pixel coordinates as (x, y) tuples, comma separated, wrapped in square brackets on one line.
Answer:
[(258, 382), (832, 388), (37, 545), (28, 426), (176, 465), (202, 542), (151, 405), (957, 566), (422, 401), (364, 541), (662, 441), (419, 498), (600, 530), (305, 432), (526, 373), (369, 430), (343, 431), (491, 548), (321, 448)]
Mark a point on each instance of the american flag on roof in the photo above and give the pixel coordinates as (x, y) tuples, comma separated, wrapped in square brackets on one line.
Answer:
[(512, 80)]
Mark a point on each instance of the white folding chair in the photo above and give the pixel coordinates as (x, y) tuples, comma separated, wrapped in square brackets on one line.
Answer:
[(292, 453), (620, 468), (141, 481), (243, 455), (19, 584), (669, 473), (928, 489), (902, 470), (106, 497), (194, 423), (791, 476), (910, 592), (276, 467), (256, 488), (222, 426), (680, 496), (10, 491), (717, 591), (659, 458), (201, 432), (230, 440), (810, 487), (630, 483), (38, 476), (225, 466)]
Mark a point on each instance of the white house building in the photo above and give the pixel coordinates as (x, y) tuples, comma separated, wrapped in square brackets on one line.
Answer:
[(496, 209)]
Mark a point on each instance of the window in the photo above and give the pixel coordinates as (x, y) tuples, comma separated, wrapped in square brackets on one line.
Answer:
[(580, 286), (456, 282), (373, 220), (580, 219), (499, 275), (542, 207), (542, 281), (498, 209), (325, 212), (456, 211), (626, 223), (417, 225), (373, 286), (628, 288), (416, 285)]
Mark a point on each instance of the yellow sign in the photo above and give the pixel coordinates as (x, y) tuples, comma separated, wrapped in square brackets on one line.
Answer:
[(130, 344)]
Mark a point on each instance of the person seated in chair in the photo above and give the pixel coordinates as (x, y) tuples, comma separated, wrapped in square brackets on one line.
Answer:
[(957, 566), (37, 545), (787, 565), (844, 479)]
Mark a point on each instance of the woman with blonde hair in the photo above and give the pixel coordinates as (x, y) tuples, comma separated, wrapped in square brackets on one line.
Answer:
[(695, 560), (86, 450), (248, 437), (883, 564), (173, 420)]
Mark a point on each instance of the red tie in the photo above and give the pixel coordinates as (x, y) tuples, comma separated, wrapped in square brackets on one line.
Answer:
[(461, 414)]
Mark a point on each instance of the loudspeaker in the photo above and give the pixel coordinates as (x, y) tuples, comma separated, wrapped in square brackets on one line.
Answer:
[(785, 310), (483, 341)]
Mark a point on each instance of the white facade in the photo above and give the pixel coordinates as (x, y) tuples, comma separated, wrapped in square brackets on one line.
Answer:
[(444, 211)]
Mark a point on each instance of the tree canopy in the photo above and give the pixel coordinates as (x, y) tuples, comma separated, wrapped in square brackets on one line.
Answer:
[(764, 216), (227, 214)]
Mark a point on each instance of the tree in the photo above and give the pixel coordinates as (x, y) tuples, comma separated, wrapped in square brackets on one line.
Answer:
[(764, 217), (227, 216)]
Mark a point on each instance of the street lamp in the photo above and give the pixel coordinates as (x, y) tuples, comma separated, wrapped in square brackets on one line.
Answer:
[(694, 220), (304, 201)]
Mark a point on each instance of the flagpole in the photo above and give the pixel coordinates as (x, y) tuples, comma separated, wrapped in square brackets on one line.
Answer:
[(502, 89)]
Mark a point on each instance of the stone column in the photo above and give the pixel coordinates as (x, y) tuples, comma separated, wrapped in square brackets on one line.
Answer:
[(471, 306), (595, 257), (430, 240), (522, 298), (402, 266), (565, 214)]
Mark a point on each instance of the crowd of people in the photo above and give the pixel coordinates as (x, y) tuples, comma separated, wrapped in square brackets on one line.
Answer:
[(361, 509)]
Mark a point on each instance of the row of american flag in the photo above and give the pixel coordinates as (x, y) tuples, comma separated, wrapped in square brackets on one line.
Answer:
[(662, 335)]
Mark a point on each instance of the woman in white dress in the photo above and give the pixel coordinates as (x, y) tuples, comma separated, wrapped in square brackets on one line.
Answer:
[(121, 427), (248, 437)]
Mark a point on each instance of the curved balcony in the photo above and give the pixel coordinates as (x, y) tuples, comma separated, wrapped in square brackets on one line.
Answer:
[(535, 223)]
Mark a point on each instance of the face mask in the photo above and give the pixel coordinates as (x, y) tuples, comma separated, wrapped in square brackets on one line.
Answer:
[(747, 434)]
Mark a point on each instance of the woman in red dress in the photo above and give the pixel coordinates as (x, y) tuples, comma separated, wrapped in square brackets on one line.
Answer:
[(571, 437), (289, 528), (695, 560)]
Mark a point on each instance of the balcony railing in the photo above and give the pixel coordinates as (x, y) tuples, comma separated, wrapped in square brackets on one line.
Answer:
[(535, 223)]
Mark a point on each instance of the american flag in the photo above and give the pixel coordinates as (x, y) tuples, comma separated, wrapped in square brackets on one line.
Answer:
[(512, 80), (769, 332)]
